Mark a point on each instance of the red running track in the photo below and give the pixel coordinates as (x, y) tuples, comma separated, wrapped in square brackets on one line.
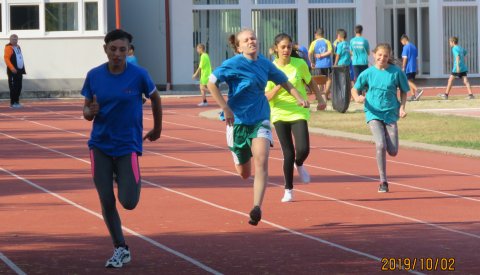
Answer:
[(192, 217)]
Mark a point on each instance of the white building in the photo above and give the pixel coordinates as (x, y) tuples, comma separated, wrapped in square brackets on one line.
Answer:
[(62, 39)]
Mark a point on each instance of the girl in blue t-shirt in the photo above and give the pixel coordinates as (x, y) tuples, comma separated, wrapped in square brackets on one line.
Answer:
[(382, 108), (247, 112)]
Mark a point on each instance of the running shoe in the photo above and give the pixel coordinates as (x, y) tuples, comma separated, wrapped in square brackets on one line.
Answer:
[(418, 94), (383, 187), (288, 196), (202, 104), (304, 175), (255, 215), (470, 96), (443, 96), (121, 255)]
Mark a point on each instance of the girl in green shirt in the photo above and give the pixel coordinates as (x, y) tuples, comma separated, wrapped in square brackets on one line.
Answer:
[(382, 108), (287, 116)]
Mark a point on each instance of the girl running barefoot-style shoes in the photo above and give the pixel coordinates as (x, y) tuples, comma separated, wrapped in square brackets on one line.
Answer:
[(121, 255), (303, 173), (288, 196), (383, 187), (255, 215)]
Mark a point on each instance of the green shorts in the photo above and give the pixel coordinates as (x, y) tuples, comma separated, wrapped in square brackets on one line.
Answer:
[(239, 139)]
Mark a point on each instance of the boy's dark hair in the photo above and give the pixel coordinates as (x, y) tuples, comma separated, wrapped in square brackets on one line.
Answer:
[(118, 34), (359, 29), (342, 33), (320, 32), (404, 36), (132, 47)]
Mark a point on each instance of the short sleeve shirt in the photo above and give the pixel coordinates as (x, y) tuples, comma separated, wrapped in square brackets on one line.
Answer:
[(284, 106), (360, 49), (410, 52), (117, 128), (246, 81), (343, 51), (381, 102), (205, 68), (460, 52), (320, 46)]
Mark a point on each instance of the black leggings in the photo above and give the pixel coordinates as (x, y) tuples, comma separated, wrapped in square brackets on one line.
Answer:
[(127, 173), (291, 154), (15, 86)]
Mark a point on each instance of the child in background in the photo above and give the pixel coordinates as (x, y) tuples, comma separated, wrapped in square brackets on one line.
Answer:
[(409, 66), (382, 108), (204, 70), (459, 68)]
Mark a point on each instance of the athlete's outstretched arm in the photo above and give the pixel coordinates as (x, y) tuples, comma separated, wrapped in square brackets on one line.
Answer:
[(289, 87), (155, 133)]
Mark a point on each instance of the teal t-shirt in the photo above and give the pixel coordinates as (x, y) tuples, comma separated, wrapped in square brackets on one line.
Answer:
[(460, 52), (360, 49), (343, 51), (381, 102)]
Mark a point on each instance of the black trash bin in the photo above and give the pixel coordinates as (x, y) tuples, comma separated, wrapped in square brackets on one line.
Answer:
[(341, 87)]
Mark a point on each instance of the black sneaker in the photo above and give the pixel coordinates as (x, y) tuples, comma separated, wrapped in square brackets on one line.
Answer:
[(470, 96), (121, 255), (383, 187), (255, 215)]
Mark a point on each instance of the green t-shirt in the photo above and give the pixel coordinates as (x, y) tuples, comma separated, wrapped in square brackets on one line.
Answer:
[(284, 106), (205, 67), (381, 102)]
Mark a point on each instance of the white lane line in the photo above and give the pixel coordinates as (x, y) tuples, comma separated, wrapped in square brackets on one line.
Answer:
[(311, 146), (11, 264), (126, 229)]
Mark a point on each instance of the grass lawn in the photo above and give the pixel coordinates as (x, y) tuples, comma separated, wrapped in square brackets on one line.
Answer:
[(447, 130)]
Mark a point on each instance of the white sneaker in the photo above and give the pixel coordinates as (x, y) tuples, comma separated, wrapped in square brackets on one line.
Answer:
[(202, 104), (304, 175), (121, 255), (288, 196)]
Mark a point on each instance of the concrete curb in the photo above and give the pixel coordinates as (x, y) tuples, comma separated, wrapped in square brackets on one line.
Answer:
[(213, 114)]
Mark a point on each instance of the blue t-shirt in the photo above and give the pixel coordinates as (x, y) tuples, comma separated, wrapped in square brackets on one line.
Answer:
[(343, 51), (460, 52), (381, 102), (319, 46), (410, 52), (132, 59), (360, 49), (303, 50), (246, 81), (117, 128)]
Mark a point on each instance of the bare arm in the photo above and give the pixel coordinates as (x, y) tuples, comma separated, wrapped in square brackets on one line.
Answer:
[(318, 94), (157, 113), (217, 95), (300, 101), (337, 57), (273, 92), (404, 63), (403, 102), (90, 108), (360, 98)]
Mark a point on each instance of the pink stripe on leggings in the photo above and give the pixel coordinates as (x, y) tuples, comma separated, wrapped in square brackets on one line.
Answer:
[(135, 167), (92, 163)]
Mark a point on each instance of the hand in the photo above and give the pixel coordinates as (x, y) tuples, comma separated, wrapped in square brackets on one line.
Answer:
[(403, 114), (303, 102), (321, 106), (228, 114), (153, 135), (359, 99), (94, 107), (194, 76), (14, 71)]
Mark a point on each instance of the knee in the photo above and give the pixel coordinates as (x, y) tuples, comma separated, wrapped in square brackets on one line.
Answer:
[(129, 204), (393, 152)]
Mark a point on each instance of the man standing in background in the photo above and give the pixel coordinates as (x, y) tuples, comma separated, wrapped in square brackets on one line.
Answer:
[(15, 70)]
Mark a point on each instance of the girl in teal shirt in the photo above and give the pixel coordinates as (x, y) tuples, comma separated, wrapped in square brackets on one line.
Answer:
[(382, 107)]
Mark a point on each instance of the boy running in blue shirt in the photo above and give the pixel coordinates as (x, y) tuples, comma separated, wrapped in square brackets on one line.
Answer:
[(409, 66), (459, 69)]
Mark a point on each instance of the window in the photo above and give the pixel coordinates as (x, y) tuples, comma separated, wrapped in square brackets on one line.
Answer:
[(91, 16), (215, 2), (61, 17), (329, 1), (259, 2), (24, 17)]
